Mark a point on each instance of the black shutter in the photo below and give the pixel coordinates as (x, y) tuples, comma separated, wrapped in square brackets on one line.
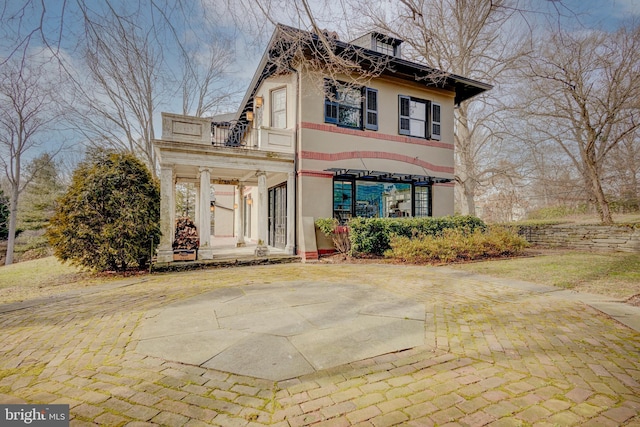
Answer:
[(404, 119), (436, 132), (371, 109), (330, 104)]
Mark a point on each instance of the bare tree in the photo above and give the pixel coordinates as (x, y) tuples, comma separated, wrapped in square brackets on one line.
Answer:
[(584, 89), (137, 58), (26, 116), (475, 39)]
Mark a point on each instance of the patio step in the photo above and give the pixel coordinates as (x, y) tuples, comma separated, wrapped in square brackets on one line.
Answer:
[(223, 262)]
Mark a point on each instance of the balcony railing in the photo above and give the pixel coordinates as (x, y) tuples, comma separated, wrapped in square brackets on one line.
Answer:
[(233, 134)]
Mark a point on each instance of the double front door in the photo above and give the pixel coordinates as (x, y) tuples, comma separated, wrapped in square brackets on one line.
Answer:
[(278, 216)]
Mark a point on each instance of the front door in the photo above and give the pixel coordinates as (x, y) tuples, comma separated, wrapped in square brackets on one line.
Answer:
[(278, 216)]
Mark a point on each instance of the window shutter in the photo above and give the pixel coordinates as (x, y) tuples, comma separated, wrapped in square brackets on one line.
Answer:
[(371, 109), (404, 119), (435, 122), (330, 105)]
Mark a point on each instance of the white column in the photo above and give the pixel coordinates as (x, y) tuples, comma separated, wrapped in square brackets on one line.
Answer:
[(204, 226), (263, 214), (239, 216), (196, 208), (167, 213), (291, 214)]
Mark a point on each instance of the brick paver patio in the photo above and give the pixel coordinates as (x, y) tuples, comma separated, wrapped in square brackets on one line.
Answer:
[(494, 355)]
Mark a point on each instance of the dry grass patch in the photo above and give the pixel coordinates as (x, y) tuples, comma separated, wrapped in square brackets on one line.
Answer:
[(614, 274)]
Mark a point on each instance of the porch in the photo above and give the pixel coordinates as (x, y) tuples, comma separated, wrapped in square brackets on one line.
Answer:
[(188, 153)]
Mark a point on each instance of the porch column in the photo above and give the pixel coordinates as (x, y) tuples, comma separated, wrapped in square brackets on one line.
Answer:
[(204, 227), (263, 214), (291, 214), (239, 216), (196, 207), (167, 213)]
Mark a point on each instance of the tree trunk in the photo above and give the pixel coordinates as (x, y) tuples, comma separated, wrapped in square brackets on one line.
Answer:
[(602, 205), (13, 220)]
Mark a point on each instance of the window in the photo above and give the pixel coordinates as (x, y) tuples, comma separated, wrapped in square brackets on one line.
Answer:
[(383, 47), (413, 117), (343, 104), (419, 118), (422, 200), (279, 108), (379, 199)]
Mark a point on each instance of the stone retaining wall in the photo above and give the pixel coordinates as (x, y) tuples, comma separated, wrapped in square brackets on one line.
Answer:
[(590, 237)]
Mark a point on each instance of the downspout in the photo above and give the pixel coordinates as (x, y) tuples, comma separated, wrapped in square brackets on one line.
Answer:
[(295, 162)]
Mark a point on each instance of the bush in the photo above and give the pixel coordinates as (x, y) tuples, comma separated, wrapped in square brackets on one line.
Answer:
[(109, 217), (456, 245), (373, 235), (339, 234)]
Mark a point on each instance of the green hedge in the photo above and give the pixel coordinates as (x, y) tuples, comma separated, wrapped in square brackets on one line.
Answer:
[(373, 235)]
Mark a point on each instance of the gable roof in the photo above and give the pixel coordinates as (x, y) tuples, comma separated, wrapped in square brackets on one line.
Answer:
[(277, 55)]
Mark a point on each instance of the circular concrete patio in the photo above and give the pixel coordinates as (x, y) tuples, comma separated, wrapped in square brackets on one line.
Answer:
[(283, 330)]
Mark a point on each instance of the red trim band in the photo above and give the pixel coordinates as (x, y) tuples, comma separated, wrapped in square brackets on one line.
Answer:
[(375, 135), (346, 155)]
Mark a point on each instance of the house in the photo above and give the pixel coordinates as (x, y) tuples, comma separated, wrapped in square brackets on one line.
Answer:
[(317, 137)]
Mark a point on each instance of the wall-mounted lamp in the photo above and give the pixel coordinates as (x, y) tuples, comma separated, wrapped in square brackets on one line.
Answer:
[(250, 116), (235, 206), (249, 201), (258, 101), (212, 206)]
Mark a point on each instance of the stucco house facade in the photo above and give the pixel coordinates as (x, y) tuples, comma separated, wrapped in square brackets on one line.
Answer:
[(312, 140)]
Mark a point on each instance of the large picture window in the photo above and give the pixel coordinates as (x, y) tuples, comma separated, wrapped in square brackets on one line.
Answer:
[(377, 199)]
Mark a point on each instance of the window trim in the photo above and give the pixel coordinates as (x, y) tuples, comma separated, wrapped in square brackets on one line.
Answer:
[(272, 92)]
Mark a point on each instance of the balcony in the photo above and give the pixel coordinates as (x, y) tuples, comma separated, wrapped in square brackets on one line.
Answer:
[(233, 134), (228, 134)]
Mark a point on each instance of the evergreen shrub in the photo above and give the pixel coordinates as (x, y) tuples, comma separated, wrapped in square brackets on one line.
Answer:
[(109, 217)]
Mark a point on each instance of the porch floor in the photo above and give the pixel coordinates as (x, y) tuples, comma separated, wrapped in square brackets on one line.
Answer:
[(225, 254)]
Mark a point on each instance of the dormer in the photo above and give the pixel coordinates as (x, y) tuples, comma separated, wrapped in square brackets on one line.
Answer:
[(379, 42)]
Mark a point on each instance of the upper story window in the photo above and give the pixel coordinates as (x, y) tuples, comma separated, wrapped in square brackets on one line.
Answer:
[(348, 105), (384, 47), (419, 118), (279, 108)]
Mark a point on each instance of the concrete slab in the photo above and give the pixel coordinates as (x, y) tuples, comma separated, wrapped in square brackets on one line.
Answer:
[(263, 356), (279, 331), (364, 337), (194, 348), (281, 322)]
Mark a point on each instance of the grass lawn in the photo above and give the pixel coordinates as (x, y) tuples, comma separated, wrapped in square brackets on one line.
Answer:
[(615, 274), (41, 277)]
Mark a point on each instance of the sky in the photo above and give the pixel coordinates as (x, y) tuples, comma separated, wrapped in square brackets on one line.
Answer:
[(252, 34)]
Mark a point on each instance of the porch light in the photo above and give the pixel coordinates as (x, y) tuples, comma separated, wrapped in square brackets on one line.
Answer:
[(212, 206), (258, 101), (249, 201), (250, 116), (235, 206)]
